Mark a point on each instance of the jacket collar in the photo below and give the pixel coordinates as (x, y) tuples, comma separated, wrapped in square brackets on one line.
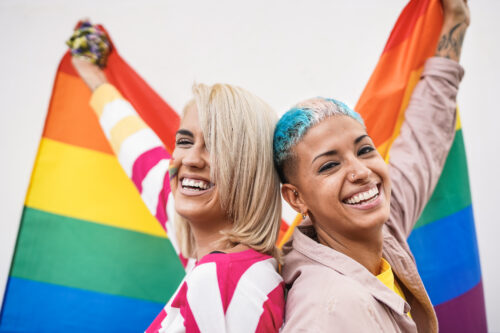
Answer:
[(305, 242)]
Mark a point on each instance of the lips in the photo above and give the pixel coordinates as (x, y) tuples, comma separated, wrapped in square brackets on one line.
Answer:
[(366, 196)]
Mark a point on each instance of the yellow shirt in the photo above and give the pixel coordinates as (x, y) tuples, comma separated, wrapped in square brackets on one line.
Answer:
[(386, 276)]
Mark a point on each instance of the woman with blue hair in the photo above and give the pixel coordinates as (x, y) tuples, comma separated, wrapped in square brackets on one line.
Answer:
[(349, 265)]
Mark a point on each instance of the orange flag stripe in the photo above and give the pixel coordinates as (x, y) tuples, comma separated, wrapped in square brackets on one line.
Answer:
[(71, 121), (393, 72)]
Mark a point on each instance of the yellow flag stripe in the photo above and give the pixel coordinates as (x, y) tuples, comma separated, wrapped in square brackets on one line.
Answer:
[(289, 231), (63, 177)]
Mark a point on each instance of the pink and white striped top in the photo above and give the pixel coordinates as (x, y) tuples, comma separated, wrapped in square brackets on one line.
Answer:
[(140, 153), (224, 292)]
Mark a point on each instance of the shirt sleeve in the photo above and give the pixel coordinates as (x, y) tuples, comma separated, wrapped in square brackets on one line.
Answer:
[(418, 154), (140, 152)]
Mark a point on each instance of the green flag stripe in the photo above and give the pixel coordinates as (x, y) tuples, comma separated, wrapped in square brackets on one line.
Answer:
[(452, 192), (76, 253)]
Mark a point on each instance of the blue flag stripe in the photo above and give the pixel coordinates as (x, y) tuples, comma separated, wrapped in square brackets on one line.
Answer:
[(447, 256), (33, 306)]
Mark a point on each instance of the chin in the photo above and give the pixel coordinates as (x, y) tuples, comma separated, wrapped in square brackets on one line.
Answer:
[(382, 217), (372, 222), (188, 210), (194, 217)]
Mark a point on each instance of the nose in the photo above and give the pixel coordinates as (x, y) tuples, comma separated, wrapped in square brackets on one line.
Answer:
[(195, 157), (357, 171)]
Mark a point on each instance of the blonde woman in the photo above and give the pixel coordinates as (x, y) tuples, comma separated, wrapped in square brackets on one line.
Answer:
[(227, 201)]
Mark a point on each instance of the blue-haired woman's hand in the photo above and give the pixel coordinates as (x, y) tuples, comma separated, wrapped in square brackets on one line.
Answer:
[(456, 20), (456, 10)]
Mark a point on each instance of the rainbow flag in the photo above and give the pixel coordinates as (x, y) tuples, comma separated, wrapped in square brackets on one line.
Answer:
[(89, 256), (444, 239)]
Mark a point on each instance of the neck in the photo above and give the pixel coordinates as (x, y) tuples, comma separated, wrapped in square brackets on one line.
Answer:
[(366, 251), (207, 239)]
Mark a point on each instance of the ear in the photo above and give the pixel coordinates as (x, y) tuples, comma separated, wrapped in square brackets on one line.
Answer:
[(292, 195)]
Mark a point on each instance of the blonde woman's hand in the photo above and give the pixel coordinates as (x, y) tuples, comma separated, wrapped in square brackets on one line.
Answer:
[(90, 73), (90, 48)]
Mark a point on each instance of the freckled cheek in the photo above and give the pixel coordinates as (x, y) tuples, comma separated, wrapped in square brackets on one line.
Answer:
[(381, 167), (384, 175), (332, 185), (324, 194)]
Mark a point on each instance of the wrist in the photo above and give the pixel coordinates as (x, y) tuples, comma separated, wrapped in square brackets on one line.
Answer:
[(456, 14), (91, 74), (453, 20)]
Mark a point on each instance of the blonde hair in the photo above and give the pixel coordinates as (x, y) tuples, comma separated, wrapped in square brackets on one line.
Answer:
[(238, 132)]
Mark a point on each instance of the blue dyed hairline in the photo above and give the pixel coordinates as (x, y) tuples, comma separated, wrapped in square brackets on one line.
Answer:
[(293, 125)]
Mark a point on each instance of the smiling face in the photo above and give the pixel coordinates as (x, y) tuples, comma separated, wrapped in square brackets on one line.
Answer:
[(196, 196), (340, 180)]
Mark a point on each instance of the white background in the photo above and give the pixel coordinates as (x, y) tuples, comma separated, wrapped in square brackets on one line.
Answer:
[(283, 51)]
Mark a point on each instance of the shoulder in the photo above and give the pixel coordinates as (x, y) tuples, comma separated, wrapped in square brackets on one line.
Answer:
[(251, 290), (322, 299), (320, 284), (248, 273), (241, 264)]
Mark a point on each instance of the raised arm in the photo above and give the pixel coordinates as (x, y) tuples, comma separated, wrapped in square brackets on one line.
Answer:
[(138, 149), (418, 154), (455, 23)]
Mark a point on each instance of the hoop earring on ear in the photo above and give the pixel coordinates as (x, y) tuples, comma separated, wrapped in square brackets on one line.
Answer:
[(304, 215)]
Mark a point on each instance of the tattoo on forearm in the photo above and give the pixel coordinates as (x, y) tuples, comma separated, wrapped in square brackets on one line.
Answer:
[(450, 44)]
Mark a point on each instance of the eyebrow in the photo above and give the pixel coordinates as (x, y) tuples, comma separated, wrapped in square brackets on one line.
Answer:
[(334, 152), (327, 153), (360, 138), (185, 132)]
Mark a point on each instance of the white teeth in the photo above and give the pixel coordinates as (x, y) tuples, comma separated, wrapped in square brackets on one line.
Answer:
[(370, 194), (195, 184)]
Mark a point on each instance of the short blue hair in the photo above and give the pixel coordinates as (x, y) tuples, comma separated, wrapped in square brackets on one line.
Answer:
[(294, 124)]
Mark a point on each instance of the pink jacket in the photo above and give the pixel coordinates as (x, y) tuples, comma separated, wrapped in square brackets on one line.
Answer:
[(330, 292)]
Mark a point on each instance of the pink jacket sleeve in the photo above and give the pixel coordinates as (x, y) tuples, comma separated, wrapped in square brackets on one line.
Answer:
[(418, 154)]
